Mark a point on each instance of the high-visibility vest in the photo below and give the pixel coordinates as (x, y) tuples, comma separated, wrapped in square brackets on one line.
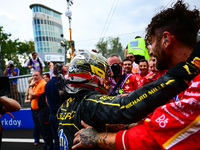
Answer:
[(138, 47)]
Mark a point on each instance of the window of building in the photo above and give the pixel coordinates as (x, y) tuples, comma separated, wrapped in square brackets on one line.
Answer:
[(39, 9), (38, 27), (44, 44), (36, 8), (38, 21)]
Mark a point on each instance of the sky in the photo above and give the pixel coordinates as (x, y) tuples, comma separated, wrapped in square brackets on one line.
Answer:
[(91, 19)]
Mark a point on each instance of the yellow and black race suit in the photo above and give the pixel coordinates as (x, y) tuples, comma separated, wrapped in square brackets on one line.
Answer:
[(98, 109)]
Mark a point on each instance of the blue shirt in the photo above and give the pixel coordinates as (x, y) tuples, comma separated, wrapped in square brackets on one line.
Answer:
[(53, 96), (9, 74)]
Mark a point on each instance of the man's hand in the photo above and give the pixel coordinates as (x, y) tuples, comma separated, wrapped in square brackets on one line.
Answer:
[(7, 66), (86, 137), (33, 82), (122, 95), (30, 67)]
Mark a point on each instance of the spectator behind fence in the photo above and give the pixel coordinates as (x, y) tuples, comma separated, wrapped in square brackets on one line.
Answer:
[(35, 63), (46, 77), (54, 102), (40, 109), (27, 98), (173, 126), (12, 71)]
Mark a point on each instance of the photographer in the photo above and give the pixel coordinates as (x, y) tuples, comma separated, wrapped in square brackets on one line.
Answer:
[(11, 71), (121, 84)]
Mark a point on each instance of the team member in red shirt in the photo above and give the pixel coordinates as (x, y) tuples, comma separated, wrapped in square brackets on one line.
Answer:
[(144, 68)]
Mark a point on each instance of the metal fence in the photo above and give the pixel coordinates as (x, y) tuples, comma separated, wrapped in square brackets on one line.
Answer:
[(18, 91)]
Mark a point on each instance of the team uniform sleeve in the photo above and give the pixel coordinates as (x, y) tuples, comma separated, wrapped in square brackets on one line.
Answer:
[(135, 106), (135, 138)]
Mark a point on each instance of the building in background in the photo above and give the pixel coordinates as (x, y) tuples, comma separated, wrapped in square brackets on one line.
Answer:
[(47, 28)]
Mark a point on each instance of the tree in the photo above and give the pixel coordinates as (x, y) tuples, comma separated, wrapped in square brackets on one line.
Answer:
[(14, 50), (102, 47), (24, 50), (116, 46), (8, 47), (112, 45)]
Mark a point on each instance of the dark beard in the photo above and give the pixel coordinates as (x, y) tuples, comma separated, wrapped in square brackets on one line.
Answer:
[(162, 65), (162, 60)]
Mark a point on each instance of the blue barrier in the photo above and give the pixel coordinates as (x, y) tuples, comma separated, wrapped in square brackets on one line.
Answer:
[(21, 119)]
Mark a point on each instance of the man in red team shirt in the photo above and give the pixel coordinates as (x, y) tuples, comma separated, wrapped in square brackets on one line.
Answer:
[(174, 125)]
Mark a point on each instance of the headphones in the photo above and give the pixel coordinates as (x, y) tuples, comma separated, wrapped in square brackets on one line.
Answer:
[(166, 40)]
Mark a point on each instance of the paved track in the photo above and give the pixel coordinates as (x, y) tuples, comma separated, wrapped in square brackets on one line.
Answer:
[(19, 139)]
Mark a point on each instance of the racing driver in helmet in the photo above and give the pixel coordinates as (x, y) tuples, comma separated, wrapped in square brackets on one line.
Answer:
[(86, 98)]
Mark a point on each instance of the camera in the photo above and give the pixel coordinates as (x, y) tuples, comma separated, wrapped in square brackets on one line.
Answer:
[(48, 63), (4, 86), (11, 65), (60, 69), (116, 69)]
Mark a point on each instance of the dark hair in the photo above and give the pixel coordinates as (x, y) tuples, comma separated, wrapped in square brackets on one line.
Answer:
[(58, 68), (179, 21), (127, 59), (48, 75), (144, 60), (33, 53), (137, 37)]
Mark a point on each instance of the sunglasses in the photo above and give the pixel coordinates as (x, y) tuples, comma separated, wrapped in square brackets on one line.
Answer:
[(129, 57)]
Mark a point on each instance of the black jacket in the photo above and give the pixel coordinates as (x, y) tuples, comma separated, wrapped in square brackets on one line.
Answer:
[(98, 109)]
